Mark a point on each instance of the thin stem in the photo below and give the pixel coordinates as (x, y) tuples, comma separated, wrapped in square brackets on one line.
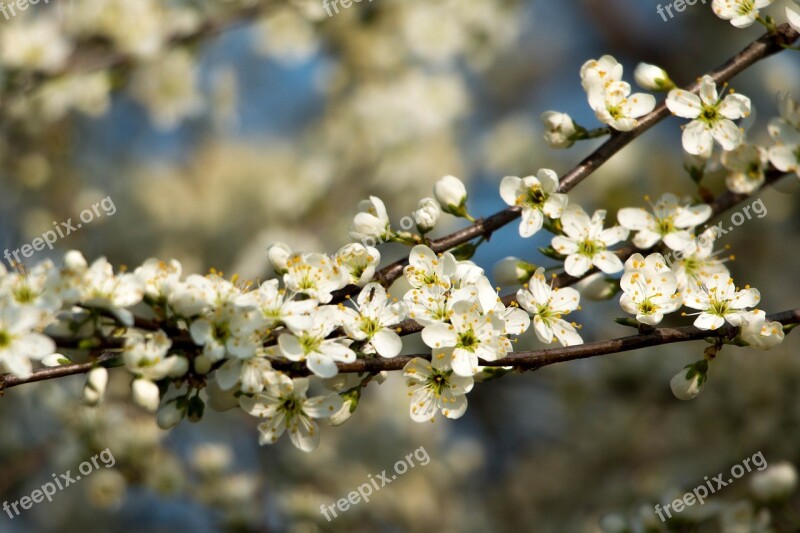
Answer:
[(765, 46)]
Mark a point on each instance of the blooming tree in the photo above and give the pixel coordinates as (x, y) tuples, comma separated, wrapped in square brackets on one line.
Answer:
[(298, 351)]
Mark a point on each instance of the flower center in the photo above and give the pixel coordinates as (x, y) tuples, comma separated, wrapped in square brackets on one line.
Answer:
[(438, 381), (666, 226), (467, 340), (5, 339), (647, 307), (24, 294), (589, 247), (709, 115), (533, 197)]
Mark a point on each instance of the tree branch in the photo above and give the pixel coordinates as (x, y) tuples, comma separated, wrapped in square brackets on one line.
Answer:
[(765, 46)]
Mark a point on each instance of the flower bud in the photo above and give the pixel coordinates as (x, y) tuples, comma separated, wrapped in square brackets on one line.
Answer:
[(56, 359), (777, 482), (278, 255), (759, 333), (348, 407), (559, 129), (513, 271), (95, 387), (202, 364), (145, 394), (451, 194), (793, 16), (169, 415), (179, 366), (371, 225), (652, 78), (688, 383), (427, 215), (74, 261)]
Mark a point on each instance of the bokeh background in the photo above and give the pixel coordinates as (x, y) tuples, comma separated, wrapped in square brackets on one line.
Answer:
[(218, 127)]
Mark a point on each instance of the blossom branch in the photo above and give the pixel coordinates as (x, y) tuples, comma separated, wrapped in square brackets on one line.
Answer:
[(765, 46), (535, 359)]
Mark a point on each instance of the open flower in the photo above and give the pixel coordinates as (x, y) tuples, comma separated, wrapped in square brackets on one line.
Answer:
[(315, 275), (102, 289), (697, 262), (613, 104), (359, 262), (650, 289), (18, 342), (434, 387), (746, 164), (785, 154), (712, 117), (537, 196), (547, 305), (670, 222), (308, 342), (586, 242), (372, 321), (741, 13), (604, 71), (471, 334), (425, 268), (283, 405), (719, 301)]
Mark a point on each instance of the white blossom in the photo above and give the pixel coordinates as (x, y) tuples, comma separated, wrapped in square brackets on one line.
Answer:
[(547, 305), (741, 13), (471, 334), (650, 289), (284, 405), (359, 262), (451, 194), (759, 332), (372, 223), (746, 164), (427, 215), (687, 383), (559, 129), (373, 319), (776, 482), (652, 77), (308, 342), (19, 343), (537, 196), (95, 387), (712, 117), (613, 104), (586, 243), (434, 387), (718, 301), (671, 221)]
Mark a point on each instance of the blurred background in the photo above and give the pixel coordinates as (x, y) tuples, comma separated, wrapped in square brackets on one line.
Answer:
[(218, 127)]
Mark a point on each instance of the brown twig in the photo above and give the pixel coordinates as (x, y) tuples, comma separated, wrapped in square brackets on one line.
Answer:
[(765, 46)]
